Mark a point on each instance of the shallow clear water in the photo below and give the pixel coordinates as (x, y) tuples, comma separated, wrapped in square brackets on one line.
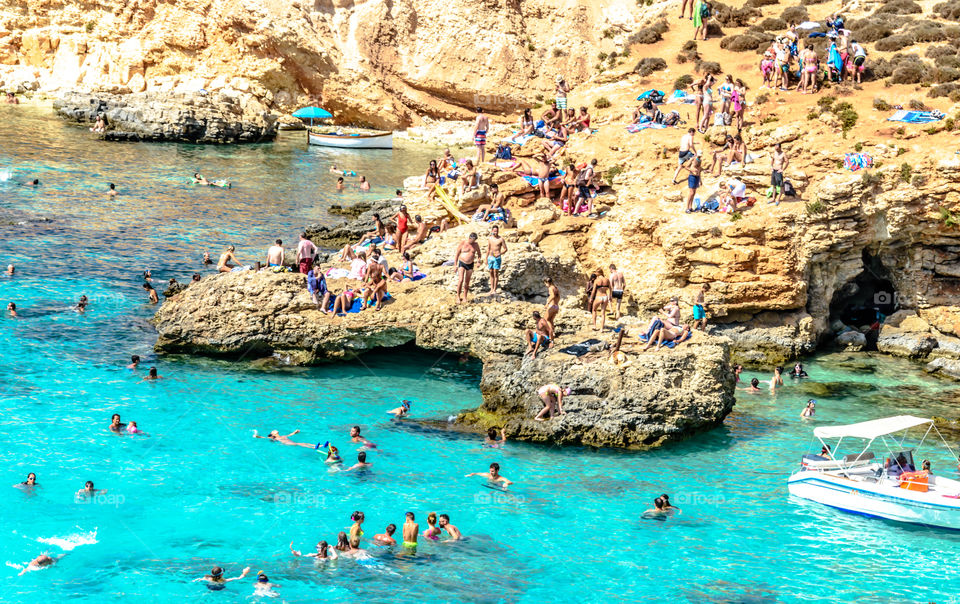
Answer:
[(201, 491)]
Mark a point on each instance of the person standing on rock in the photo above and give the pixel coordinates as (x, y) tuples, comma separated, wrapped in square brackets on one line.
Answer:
[(552, 397), (496, 248), (688, 150), (779, 161), (275, 254), (700, 308), (305, 253), (553, 302), (538, 338), (464, 259), (617, 284), (601, 293), (403, 221), (480, 127)]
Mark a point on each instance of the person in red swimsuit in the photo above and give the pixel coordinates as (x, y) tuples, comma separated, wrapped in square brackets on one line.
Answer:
[(402, 219)]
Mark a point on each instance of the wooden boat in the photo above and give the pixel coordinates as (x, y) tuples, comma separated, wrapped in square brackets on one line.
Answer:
[(350, 138)]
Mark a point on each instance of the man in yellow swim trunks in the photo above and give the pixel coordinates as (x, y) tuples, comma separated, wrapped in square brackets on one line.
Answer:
[(410, 531)]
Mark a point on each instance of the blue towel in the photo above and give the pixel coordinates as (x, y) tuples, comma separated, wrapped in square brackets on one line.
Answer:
[(817, 34), (357, 301), (648, 93), (915, 117)]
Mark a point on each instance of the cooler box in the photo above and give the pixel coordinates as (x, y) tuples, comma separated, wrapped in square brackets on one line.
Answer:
[(914, 481)]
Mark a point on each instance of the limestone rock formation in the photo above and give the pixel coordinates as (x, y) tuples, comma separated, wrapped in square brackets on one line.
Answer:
[(660, 397), (190, 118)]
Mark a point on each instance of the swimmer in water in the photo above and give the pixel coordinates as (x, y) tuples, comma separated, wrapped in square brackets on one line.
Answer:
[(133, 429), (433, 531), (115, 424), (810, 410), (12, 309), (198, 179), (112, 191), (89, 491), (493, 475), (454, 532), (667, 505), (206, 258), (658, 510), (343, 543), (386, 537), (340, 184), (40, 562), (324, 552), (356, 530), (402, 411), (754, 386), (363, 185), (151, 375), (11, 269), (356, 438), (492, 441), (151, 293), (410, 532), (81, 306), (333, 454), (362, 462), (30, 482), (777, 379), (284, 439), (263, 585), (216, 579), (134, 362), (798, 371)]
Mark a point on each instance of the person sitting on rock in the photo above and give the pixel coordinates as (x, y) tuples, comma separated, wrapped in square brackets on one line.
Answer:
[(226, 258), (419, 235), (378, 231), (539, 337), (468, 180), (552, 397)]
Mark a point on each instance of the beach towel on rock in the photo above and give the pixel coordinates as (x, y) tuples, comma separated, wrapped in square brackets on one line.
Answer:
[(578, 350), (644, 126), (857, 161), (915, 117)]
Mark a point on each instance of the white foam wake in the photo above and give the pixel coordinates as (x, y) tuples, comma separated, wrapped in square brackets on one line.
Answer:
[(71, 541)]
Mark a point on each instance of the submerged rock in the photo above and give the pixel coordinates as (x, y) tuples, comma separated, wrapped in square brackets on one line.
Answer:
[(660, 397), (171, 117)]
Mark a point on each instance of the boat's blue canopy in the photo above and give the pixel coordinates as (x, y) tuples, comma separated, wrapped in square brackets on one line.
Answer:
[(312, 113)]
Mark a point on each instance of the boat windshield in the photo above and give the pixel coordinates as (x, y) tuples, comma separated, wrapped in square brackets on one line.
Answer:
[(899, 462)]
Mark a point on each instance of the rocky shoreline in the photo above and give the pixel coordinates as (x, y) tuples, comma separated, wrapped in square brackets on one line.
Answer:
[(219, 118)]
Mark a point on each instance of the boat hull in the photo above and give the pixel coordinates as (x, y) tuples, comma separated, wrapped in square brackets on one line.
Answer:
[(352, 141), (877, 499)]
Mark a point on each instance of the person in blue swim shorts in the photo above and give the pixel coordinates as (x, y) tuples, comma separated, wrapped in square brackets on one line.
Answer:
[(496, 248)]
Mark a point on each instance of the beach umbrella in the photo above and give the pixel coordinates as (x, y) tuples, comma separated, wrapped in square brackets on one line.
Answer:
[(312, 113)]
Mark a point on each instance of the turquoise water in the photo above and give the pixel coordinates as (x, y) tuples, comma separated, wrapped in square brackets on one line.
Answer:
[(201, 491)]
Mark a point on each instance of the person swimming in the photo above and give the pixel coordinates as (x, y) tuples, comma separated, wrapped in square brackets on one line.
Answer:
[(667, 505), (362, 463), (658, 512), (30, 482), (324, 552), (115, 424), (493, 476), (798, 372), (810, 410), (284, 439), (402, 411), (216, 581), (333, 454), (386, 537), (452, 531), (356, 438), (432, 532), (492, 441), (40, 562), (133, 429)]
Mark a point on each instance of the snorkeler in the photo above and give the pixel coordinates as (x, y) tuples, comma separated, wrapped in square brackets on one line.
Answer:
[(333, 454), (263, 586), (356, 438), (216, 579), (30, 482), (410, 532), (454, 532), (493, 475), (324, 552), (362, 462), (284, 439), (386, 538), (402, 411), (491, 439)]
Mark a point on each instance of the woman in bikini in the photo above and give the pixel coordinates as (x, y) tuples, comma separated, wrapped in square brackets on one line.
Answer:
[(766, 68), (553, 300), (431, 178), (527, 125), (726, 95), (697, 99), (343, 302), (808, 76), (568, 195), (739, 102), (707, 104), (601, 289)]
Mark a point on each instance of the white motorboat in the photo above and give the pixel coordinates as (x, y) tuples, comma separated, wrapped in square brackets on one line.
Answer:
[(350, 138), (890, 487)]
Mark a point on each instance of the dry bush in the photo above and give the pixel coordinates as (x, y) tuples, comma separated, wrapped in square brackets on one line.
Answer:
[(943, 90), (934, 52), (706, 67), (794, 14), (909, 72), (745, 42), (648, 65), (649, 35), (759, 3), (773, 24), (899, 7), (895, 42), (733, 17), (948, 61), (948, 10)]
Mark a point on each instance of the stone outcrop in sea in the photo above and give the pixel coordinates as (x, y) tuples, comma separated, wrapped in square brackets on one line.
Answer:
[(660, 397), (188, 118)]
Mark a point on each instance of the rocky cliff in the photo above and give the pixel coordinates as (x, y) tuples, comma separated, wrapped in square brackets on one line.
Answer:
[(378, 63), (659, 397)]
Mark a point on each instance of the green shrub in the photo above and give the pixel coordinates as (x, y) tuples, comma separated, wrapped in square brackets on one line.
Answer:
[(870, 30), (602, 56), (626, 53), (531, 47), (826, 102), (858, 147), (949, 124), (880, 104), (955, 96), (557, 52), (539, 97), (769, 119), (840, 107), (601, 103), (649, 65), (683, 82), (948, 218), (906, 171), (763, 98), (735, 216), (947, 60), (90, 26), (608, 33), (946, 74), (813, 115), (900, 150), (918, 180), (869, 180), (815, 207), (759, 3), (809, 2), (613, 172)]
